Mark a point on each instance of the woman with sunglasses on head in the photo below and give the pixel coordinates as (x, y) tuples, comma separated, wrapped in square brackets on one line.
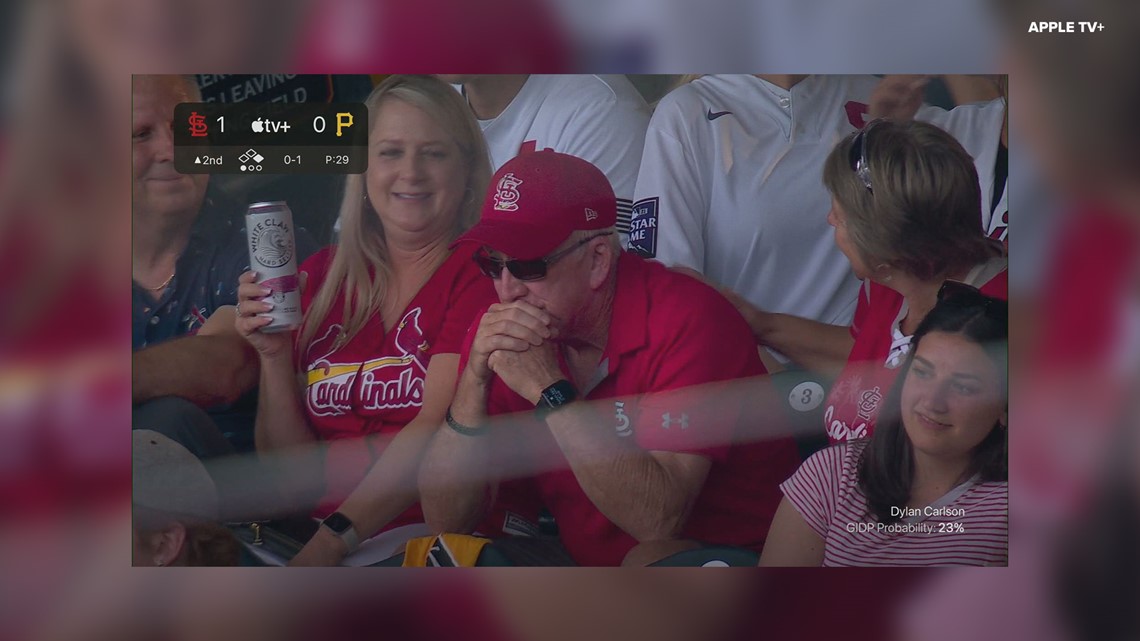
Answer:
[(905, 206), (386, 311), (930, 487)]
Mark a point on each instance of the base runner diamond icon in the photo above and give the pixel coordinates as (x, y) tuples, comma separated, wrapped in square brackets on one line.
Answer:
[(251, 155)]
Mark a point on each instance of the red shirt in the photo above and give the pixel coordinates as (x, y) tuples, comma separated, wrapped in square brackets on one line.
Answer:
[(667, 332), (854, 400), (374, 384)]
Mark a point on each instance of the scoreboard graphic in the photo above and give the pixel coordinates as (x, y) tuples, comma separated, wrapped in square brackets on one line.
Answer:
[(270, 138)]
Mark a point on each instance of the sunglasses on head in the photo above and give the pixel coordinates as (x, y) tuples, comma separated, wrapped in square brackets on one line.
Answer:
[(960, 294), (534, 269), (857, 156)]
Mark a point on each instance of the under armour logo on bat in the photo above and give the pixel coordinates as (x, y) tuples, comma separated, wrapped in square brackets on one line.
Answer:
[(667, 420)]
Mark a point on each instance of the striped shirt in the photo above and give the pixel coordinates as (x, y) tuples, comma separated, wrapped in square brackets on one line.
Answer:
[(967, 526)]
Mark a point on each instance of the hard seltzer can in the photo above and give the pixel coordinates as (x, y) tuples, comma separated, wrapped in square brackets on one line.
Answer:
[(273, 255)]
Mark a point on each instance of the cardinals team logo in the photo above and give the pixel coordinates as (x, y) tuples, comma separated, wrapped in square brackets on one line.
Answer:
[(329, 383), (393, 382), (410, 338), (869, 402), (386, 382), (623, 428), (838, 430), (507, 193)]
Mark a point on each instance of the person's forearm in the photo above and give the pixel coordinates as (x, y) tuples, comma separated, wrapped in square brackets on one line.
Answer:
[(205, 370), (816, 346), (626, 483), (281, 421), (390, 487), (281, 427), (455, 485)]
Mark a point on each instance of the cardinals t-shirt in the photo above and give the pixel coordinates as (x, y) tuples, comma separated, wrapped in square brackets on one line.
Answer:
[(374, 383), (880, 349)]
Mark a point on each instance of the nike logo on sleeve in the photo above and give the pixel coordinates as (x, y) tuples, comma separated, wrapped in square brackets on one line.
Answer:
[(713, 116)]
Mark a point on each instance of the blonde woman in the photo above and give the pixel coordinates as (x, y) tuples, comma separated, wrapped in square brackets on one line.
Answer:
[(386, 311)]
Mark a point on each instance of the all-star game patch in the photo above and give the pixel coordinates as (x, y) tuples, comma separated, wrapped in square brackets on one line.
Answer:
[(643, 227)]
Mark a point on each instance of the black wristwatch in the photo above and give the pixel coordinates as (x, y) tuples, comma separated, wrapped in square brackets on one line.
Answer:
[(342, 526), (557, 395)]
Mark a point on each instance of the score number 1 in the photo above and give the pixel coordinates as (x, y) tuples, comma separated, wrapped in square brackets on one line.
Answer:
[(222, 124)]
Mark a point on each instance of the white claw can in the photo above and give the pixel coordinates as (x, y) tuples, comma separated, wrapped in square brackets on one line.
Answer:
[(273, 255)]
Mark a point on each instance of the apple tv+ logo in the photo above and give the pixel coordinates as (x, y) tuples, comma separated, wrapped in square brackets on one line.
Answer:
[(265, 125)]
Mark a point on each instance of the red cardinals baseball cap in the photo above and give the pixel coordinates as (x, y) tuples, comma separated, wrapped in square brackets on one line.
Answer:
[(537, 199)]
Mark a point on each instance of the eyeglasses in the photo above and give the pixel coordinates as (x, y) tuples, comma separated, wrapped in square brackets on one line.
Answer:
[(960, 294), (526, 270), (857, 157)]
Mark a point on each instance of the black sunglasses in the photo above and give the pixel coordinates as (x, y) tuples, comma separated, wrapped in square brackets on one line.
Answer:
[(960, 294), (857, 156), (528, 270)]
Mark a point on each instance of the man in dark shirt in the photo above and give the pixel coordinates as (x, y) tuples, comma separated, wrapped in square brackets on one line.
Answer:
[(187, 255)]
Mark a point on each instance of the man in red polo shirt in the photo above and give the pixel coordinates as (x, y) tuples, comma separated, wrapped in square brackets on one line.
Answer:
[(650, 459)]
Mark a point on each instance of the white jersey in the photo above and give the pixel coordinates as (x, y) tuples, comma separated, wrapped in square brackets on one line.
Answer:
[(731, 186), (978, 127), (753, 153), (601, 119)]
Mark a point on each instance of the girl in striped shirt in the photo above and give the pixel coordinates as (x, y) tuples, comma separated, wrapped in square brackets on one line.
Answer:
[(930, 486)]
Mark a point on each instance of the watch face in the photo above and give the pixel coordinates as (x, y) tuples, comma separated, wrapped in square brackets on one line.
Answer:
[(338, 522), (559, 394), (554, 396)]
